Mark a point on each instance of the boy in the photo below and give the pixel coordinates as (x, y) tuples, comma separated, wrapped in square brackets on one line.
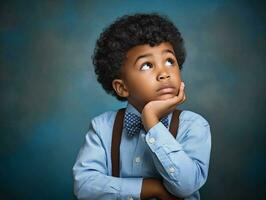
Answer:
[(138, 59)]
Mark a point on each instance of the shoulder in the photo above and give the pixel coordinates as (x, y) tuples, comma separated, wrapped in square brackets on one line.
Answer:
[(192, 118), (103, 123), (104, 120), (193, 127)]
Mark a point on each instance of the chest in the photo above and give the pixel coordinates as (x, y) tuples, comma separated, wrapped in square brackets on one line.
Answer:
[(136, 158)]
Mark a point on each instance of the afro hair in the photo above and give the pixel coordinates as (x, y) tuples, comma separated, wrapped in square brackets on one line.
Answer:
[(127, 32)]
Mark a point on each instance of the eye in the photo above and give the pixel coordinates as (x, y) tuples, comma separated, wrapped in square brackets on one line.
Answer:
[(170, 62), (146, 66)]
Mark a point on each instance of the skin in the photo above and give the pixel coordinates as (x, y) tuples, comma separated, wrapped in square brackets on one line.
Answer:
[(151, 81)]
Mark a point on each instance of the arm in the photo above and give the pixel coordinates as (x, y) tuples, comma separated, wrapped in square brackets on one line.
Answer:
[(153, 188), (91, 177), (184, 167)]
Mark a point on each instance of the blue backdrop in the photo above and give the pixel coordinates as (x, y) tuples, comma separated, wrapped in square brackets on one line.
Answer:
[(49, 90)]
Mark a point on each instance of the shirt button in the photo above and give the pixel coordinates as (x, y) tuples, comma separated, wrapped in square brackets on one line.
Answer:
[(171, 170), (151, 140), (137, 159), (130, 198)]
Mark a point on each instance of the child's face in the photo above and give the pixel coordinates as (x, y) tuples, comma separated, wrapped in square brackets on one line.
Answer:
[(150, 73)]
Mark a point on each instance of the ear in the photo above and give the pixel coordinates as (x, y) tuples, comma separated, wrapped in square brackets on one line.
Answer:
[(120, 88)]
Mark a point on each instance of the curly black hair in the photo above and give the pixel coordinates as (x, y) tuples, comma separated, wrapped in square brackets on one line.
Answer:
[(127, 32)]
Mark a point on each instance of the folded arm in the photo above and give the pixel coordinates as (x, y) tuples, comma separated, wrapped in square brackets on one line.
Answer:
[(183, 166), (92, 179)]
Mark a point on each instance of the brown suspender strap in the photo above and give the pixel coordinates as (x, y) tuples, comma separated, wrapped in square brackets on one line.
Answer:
[(174, 122), (116, 140), (117, 133)]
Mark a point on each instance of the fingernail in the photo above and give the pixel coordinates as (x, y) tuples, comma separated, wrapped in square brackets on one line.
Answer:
[(183, 84)]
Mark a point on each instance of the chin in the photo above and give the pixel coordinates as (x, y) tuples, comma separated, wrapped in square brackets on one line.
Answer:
[(165, 96)]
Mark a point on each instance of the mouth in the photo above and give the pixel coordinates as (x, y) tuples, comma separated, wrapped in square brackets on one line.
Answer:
[(166, 90)]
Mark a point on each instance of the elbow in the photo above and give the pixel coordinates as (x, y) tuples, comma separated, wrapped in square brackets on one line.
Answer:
[(184, 189), (81, 185), (187, 185), (85, 190), (93, 186), (79, 189), (80, 194)]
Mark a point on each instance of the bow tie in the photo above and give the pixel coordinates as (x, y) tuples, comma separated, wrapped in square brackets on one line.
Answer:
[(133, 123)]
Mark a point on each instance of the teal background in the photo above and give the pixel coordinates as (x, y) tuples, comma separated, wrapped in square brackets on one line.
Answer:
[(49, 90)]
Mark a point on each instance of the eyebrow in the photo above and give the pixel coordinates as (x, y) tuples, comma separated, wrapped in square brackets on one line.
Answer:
[(148, 54)]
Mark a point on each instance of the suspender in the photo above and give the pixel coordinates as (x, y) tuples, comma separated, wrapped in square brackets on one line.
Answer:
[(174, 123), (117, 133), (116, 140)]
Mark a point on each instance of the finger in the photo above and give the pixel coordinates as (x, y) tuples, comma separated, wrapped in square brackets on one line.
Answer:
[(172, 102), (172, 107), (184, 98), (181, 91)]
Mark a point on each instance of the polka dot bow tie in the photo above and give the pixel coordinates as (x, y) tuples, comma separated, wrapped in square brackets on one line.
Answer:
[(133, 123)]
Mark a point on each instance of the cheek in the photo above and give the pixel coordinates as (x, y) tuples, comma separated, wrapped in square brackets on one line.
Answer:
[(143, 86), (179, 82), (176, 80), (177, 77), (134, 84)]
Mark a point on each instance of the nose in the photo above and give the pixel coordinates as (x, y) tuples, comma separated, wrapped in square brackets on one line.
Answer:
[(163, 76)]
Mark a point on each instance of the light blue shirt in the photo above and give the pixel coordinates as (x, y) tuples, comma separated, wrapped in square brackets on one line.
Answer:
[(182, 162)]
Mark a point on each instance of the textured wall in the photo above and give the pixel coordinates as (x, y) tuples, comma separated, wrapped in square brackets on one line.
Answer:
[(49, 91)]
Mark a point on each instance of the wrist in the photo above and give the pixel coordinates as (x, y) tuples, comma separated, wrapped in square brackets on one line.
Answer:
[(151, 188), (149, 120), (148, 117)]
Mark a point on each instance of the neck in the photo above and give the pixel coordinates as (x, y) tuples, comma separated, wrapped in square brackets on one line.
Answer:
[(139, 108)]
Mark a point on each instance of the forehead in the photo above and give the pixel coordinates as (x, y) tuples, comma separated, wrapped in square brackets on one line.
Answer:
[(147, 49)]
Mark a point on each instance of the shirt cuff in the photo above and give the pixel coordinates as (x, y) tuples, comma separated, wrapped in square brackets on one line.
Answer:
[(160, 137), (131, 188)]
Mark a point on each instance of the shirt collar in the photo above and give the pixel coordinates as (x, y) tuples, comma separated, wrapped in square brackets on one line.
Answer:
[(131, 109)]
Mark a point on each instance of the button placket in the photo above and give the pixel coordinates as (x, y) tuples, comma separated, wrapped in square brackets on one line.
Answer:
[(137, 159), (152, 140), (171, 170)]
